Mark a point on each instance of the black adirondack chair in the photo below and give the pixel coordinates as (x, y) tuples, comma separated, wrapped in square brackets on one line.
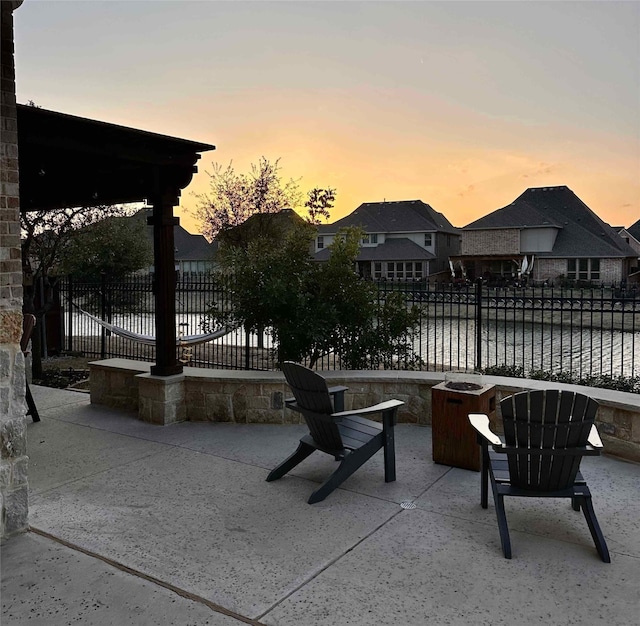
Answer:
[(546, 435), (28, 324), (346, 435)]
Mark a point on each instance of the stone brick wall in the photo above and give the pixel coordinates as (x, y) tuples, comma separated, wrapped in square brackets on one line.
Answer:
[(13, 459), (549, 269), (611, 271), (243, 397), (489, 242)]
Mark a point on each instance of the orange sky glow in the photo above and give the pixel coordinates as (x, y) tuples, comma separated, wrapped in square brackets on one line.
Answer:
[(461, 105)]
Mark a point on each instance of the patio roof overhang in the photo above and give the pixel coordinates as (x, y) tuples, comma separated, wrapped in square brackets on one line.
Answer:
[(69, 161)]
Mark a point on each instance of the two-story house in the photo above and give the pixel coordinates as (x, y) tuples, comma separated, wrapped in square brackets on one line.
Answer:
[(404, 240), (545, 234), (632, 236)]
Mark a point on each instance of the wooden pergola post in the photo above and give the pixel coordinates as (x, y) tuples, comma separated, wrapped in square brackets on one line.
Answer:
[(163, 222)]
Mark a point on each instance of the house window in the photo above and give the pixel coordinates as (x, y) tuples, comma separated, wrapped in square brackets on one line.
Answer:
[(391, 266), (428, 239), (374, 238), (399, 270), (418, 270), (583, 269), (377, 270), (365, 239), (320, 243), (408, 270)]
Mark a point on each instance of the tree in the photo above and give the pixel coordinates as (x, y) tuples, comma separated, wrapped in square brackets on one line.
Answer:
[(45, 238), (310, 308), (115, 246), (233, 198)]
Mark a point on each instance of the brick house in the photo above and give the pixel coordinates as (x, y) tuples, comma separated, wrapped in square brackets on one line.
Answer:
[(404, 240), (546, 234)]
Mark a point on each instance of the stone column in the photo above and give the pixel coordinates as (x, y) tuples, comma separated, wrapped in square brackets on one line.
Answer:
[(13, 459)]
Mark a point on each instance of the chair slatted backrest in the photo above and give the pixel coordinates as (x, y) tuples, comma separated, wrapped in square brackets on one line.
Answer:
[(546, 420), (313, 399)]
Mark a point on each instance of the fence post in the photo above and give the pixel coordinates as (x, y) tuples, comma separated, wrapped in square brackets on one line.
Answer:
[(247, 351), (103, 312), (478, 324), (70, 301)]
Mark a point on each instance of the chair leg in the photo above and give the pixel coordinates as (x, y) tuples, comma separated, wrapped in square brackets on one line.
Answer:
[(575, 503), (348, 466), (594, 528), (505, 540), (484, 476), (303, 451), (389, 447), (33, 410)]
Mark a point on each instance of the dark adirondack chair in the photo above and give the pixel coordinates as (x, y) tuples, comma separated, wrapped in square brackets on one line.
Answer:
[(546, 435), (346, 435), (28, 324)]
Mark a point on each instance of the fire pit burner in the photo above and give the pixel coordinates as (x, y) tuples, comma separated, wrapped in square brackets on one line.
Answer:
[(461, 386)]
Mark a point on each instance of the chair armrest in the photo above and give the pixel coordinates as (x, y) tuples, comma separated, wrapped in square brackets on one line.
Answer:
[(594, 438), (337, 389), (481, 423), (377, 408)]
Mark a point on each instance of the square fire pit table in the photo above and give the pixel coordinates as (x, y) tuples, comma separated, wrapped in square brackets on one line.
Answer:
[(454, 440)]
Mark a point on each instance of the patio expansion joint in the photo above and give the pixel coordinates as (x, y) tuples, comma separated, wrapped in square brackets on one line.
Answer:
[(327, 565), (217, 608)]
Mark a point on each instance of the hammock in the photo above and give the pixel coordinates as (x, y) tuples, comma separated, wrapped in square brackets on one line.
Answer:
[(149, 340)]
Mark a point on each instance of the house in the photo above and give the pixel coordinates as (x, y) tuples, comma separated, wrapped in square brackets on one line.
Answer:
[(632, 236), (194, 255), (403, 240), (546, 234)]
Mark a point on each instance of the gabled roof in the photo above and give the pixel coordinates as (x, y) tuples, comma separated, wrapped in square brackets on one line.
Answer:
[(404, 216), (188, 247), (634, 230), (580, 231), (400, 249)]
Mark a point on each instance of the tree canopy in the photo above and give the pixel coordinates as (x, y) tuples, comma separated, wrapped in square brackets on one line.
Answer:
[(115, 246), (235, 197), (312, 309)]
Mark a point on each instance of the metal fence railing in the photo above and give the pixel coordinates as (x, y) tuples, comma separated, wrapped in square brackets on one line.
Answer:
[(587, 332)]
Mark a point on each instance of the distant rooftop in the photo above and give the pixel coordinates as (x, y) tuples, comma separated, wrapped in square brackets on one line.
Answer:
[(581, 231), (392, 217)]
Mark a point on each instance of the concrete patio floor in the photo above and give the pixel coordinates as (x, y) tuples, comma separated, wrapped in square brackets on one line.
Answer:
[(139, 524)]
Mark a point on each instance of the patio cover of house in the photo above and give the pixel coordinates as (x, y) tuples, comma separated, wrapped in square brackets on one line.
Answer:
[(68, 161)]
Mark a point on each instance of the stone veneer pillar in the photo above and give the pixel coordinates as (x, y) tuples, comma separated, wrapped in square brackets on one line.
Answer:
[(161, 399), (13, 459)]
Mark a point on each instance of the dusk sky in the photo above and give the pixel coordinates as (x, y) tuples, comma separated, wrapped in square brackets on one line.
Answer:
[(460, 104)]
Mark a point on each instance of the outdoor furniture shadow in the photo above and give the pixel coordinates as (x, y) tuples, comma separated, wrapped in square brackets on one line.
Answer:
[(546, 435), (28, 324), (346, 435)]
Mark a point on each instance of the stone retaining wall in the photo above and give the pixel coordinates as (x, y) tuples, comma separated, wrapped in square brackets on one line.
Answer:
[(258, 397)]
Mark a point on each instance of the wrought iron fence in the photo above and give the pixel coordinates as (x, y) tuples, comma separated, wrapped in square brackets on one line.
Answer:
[(587, 332)]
